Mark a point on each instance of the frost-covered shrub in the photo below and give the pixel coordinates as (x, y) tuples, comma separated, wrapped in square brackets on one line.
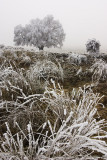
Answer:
[(93, 46), (99, 70), (77, 58), (79, 136), (45, 69), (40, 33)]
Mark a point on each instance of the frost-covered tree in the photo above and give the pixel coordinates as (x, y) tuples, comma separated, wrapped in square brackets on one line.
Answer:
[(93, 46), (40, 33)]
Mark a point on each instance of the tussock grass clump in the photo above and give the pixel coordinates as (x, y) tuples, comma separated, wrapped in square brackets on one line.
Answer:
[(19, 96), (45, 70), (99, 70), (73, 134)]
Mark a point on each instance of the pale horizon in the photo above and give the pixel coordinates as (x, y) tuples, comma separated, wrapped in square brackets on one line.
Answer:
[(81, 19)]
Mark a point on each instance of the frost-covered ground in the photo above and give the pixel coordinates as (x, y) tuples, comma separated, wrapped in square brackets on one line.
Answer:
[(52, 105)]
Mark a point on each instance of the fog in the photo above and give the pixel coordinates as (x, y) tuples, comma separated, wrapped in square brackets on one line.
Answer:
[(81, 19)]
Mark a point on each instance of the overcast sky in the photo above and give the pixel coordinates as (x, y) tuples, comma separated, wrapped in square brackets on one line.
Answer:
[(81, 19)]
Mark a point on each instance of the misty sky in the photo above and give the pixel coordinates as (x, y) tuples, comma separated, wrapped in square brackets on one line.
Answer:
[(81, 19)]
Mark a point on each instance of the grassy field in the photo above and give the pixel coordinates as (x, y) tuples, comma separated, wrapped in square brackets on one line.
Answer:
[(52, 105)]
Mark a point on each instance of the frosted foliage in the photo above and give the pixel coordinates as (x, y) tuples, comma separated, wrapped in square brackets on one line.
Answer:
[(40, 33), (77, 58), (9, 75), (78, 136), (19, 35), (45, 69), (99, 69), (92, 46)]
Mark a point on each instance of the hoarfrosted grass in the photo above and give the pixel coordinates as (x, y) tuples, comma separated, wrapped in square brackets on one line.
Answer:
[(99, 70), (74, 134), (19, 97), (20, 90), (45, 69)]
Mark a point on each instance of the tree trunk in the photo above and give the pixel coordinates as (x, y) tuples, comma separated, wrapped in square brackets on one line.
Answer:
[(41, 47)]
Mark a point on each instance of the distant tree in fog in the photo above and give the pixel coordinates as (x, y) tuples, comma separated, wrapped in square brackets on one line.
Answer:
[(40, 33), (93, 46)]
